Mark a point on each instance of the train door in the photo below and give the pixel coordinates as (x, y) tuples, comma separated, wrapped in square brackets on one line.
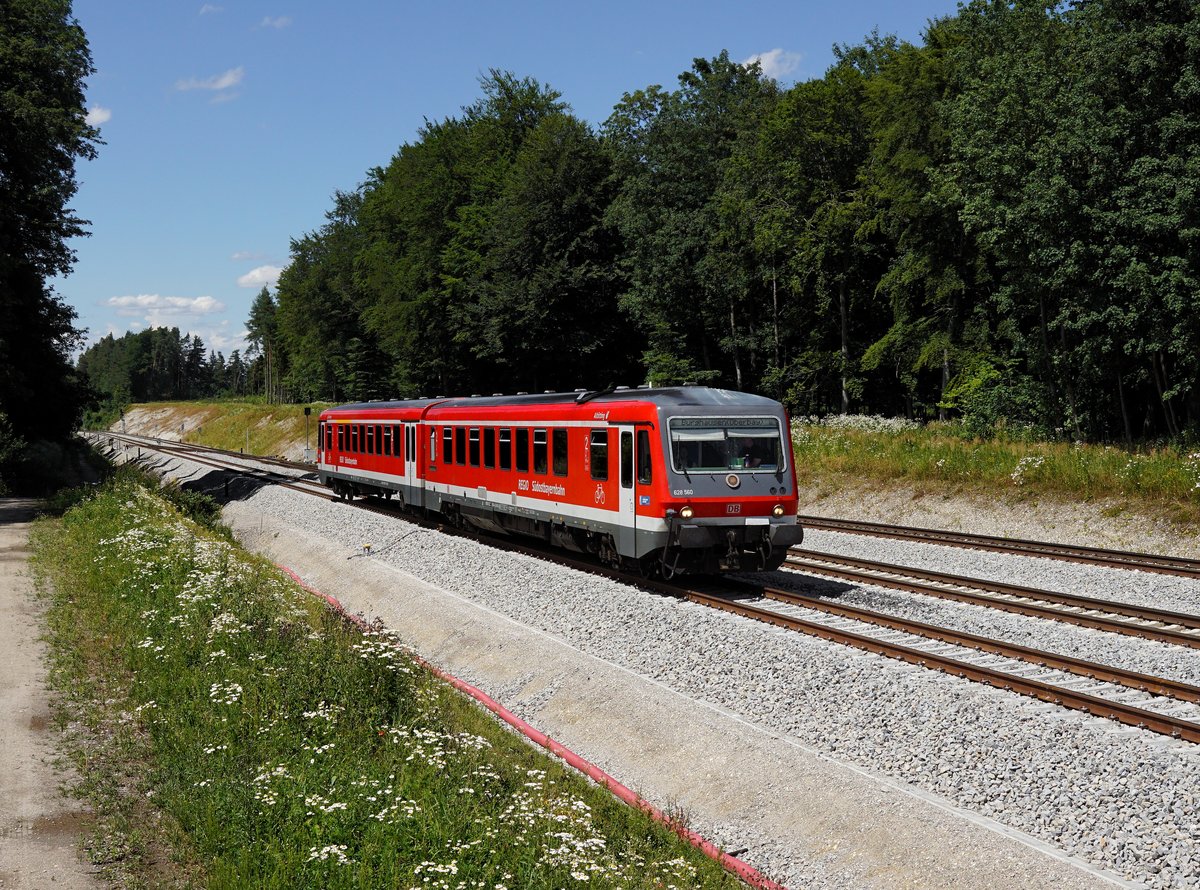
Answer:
[(412, 489), (627, 499)]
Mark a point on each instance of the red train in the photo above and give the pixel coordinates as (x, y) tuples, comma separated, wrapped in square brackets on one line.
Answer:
[(682, 479)]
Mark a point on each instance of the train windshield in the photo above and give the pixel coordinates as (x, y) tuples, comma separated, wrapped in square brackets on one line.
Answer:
[(720, 444)]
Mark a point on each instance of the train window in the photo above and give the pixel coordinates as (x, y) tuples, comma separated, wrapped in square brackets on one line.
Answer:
[(474, 446), (506, 449), (432, 446), (522, 451), (627, 460), (598, 445), (447, 445), (460, 445), (539, 451), (388, 433), (643, 457), (341, 437), (354, 438), (719, 444), (489, 446), (373, 439), (559, 441)]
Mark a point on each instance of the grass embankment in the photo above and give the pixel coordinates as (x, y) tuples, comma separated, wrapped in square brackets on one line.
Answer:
[(1162, 482), (240, 735), (268, 429)]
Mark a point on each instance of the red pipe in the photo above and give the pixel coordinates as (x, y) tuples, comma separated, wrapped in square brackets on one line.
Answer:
[(747, 873)]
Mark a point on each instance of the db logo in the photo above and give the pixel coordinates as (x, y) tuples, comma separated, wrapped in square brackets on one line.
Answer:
[(733, 508), (599, 493)]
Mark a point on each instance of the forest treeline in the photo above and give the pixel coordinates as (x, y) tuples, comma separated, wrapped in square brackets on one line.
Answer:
[(999, 223), (162, 364)]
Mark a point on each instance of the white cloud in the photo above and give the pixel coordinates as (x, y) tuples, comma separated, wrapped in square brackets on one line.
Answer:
[(242, 255), (158, 311), (279, 22), (97, 115), (223, 336), (268, 275), (208, 7), (223, 81), (776, 63), (156, 304)]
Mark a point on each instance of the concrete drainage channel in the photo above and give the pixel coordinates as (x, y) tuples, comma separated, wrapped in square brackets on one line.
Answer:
[(802, 817)]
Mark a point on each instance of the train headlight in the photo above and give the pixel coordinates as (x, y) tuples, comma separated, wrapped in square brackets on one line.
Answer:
[(777, 511), (687, 512)]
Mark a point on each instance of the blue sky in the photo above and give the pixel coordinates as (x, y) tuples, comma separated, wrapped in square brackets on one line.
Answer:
[(228, 125)]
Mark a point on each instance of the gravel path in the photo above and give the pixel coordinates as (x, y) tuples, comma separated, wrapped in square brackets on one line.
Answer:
[(40, 828)]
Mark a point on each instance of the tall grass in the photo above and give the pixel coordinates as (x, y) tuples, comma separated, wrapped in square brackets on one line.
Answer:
[(290, 750), (1160, 480)]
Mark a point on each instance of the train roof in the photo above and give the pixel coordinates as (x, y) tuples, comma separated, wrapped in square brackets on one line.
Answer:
[(664, 397)]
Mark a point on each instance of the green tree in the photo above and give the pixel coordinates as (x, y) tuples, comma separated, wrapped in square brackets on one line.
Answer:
[(688, 288), (44, 60), (262, 330), (935, 273)]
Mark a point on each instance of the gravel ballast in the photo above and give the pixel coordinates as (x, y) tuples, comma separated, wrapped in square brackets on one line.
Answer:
[(1121, 799)]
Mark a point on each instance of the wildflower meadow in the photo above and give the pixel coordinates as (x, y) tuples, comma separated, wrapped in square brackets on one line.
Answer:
[(1162, 481), (234, 732)]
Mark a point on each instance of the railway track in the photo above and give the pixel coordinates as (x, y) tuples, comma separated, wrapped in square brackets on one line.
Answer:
[(1149, 623), (1158, 704), (1122, 559)]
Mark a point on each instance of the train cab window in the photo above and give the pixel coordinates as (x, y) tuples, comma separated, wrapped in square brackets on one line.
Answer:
[(341, 437), (460, 445), (559, 441), (522, 451), (489, 446), (506, 449), (598, 457), (447, 445), (627, 460), (539, 451), (474, 446), (643, 457)]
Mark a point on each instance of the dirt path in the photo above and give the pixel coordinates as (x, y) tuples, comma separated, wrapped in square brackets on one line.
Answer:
[(39, 827)]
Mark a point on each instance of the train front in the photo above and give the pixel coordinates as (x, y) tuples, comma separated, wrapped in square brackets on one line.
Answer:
[(731, 488)]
